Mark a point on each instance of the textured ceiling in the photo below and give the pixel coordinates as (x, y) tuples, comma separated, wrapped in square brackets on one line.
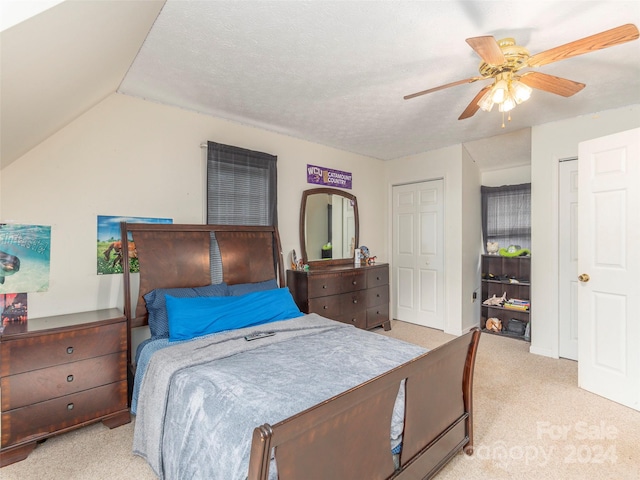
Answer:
[(335, 72)]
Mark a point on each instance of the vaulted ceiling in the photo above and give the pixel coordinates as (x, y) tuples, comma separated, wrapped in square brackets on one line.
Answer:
[(333, 73)]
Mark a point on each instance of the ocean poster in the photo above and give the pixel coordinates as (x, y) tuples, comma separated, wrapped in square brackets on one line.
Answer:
[(110, 244), (24, 258)]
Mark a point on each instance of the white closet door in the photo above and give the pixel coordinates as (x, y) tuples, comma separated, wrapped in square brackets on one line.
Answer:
[(418, 253)]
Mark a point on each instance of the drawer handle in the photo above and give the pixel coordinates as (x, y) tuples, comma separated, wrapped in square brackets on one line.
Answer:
[(377, 278), (324, 286), (325, 306), (69, 406), (353, 320), (69, 350), (355, 300), (354, 282), (69, 378)]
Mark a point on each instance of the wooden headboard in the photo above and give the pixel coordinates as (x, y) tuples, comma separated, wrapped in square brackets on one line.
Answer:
[(174, 256)]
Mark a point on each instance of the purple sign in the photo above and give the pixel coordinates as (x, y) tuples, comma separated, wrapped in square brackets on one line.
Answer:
[(328, 176)]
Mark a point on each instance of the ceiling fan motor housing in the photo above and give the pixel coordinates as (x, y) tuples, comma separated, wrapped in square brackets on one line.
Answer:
[(516, 57)]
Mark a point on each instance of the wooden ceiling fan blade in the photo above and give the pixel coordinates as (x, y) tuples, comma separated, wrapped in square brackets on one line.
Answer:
[(473, 107), (606, 39), (488, 49), (551, 84), (442, 87)]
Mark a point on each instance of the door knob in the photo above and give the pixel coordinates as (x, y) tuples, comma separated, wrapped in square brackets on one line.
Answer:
[(583, 277)]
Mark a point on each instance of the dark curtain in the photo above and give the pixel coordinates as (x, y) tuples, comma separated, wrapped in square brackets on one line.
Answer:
[(506, 215)]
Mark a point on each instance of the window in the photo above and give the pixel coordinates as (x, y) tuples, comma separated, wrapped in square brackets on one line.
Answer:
[(241, 190), (241, 186), (506, 215)]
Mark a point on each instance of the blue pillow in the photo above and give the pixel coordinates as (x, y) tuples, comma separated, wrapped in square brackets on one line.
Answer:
[(244, 288), (155, 299), (193, 317)]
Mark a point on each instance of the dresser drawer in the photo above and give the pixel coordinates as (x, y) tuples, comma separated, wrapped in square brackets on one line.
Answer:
[(358, 319), (323, 285), (353, 281), (41, 419), (40, 385), (353, 302), (377, 277), (32, 353), (377, 315), (378, 296), (326, 306)]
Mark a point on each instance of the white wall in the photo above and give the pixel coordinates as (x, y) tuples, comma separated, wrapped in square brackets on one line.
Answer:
[(550, 143), (445, 163), (131, 157), (507, 176), (471, 242)]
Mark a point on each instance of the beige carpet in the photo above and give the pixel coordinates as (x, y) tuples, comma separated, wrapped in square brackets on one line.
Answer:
[(531, 422)]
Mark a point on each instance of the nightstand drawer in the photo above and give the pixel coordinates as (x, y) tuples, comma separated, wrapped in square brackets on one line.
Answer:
[(32, 353), (47, 383), (41, 419)]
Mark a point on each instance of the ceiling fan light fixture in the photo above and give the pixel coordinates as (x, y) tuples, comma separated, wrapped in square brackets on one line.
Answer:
[(500, 90), (508, 104), (520, 92), (486, 102)]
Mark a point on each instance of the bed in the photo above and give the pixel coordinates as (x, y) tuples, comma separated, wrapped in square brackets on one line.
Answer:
[(308, 398)]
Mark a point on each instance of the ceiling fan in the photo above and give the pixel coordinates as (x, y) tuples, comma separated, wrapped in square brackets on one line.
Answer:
[(503, 60)]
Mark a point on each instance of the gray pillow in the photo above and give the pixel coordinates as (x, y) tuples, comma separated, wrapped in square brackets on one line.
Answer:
[(244, 288)]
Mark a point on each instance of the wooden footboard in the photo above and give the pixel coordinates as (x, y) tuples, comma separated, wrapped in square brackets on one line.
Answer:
[(347, 437)]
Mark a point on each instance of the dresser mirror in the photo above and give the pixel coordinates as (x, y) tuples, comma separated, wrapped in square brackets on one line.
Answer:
[(328, 226)]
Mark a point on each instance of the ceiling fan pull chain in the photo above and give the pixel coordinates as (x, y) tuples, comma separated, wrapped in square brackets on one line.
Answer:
[(502, 119)]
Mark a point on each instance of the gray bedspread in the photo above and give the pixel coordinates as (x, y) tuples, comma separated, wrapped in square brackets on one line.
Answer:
[(200, 401)]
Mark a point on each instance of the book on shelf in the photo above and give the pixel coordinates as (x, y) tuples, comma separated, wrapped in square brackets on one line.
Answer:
[(517, 304), (509, 306)]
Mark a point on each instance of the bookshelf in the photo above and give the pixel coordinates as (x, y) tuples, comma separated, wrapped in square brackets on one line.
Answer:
[(508, 278)]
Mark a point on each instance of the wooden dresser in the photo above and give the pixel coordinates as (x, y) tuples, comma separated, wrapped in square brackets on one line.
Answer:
[(60, 373), (356, 295)]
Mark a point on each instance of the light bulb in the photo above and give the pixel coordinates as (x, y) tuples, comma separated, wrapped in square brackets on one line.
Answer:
[(500, 91), (486, 103), (508, 104), (520, 92)]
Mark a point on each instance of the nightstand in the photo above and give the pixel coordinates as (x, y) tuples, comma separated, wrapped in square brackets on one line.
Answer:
[(62, 373)]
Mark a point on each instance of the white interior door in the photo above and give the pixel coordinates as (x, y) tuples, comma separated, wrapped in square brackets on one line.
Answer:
[(568, 260), (418, 253), (609, 253)]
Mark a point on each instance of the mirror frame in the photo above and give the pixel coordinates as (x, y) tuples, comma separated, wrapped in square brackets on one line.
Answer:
[(303, 212)]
